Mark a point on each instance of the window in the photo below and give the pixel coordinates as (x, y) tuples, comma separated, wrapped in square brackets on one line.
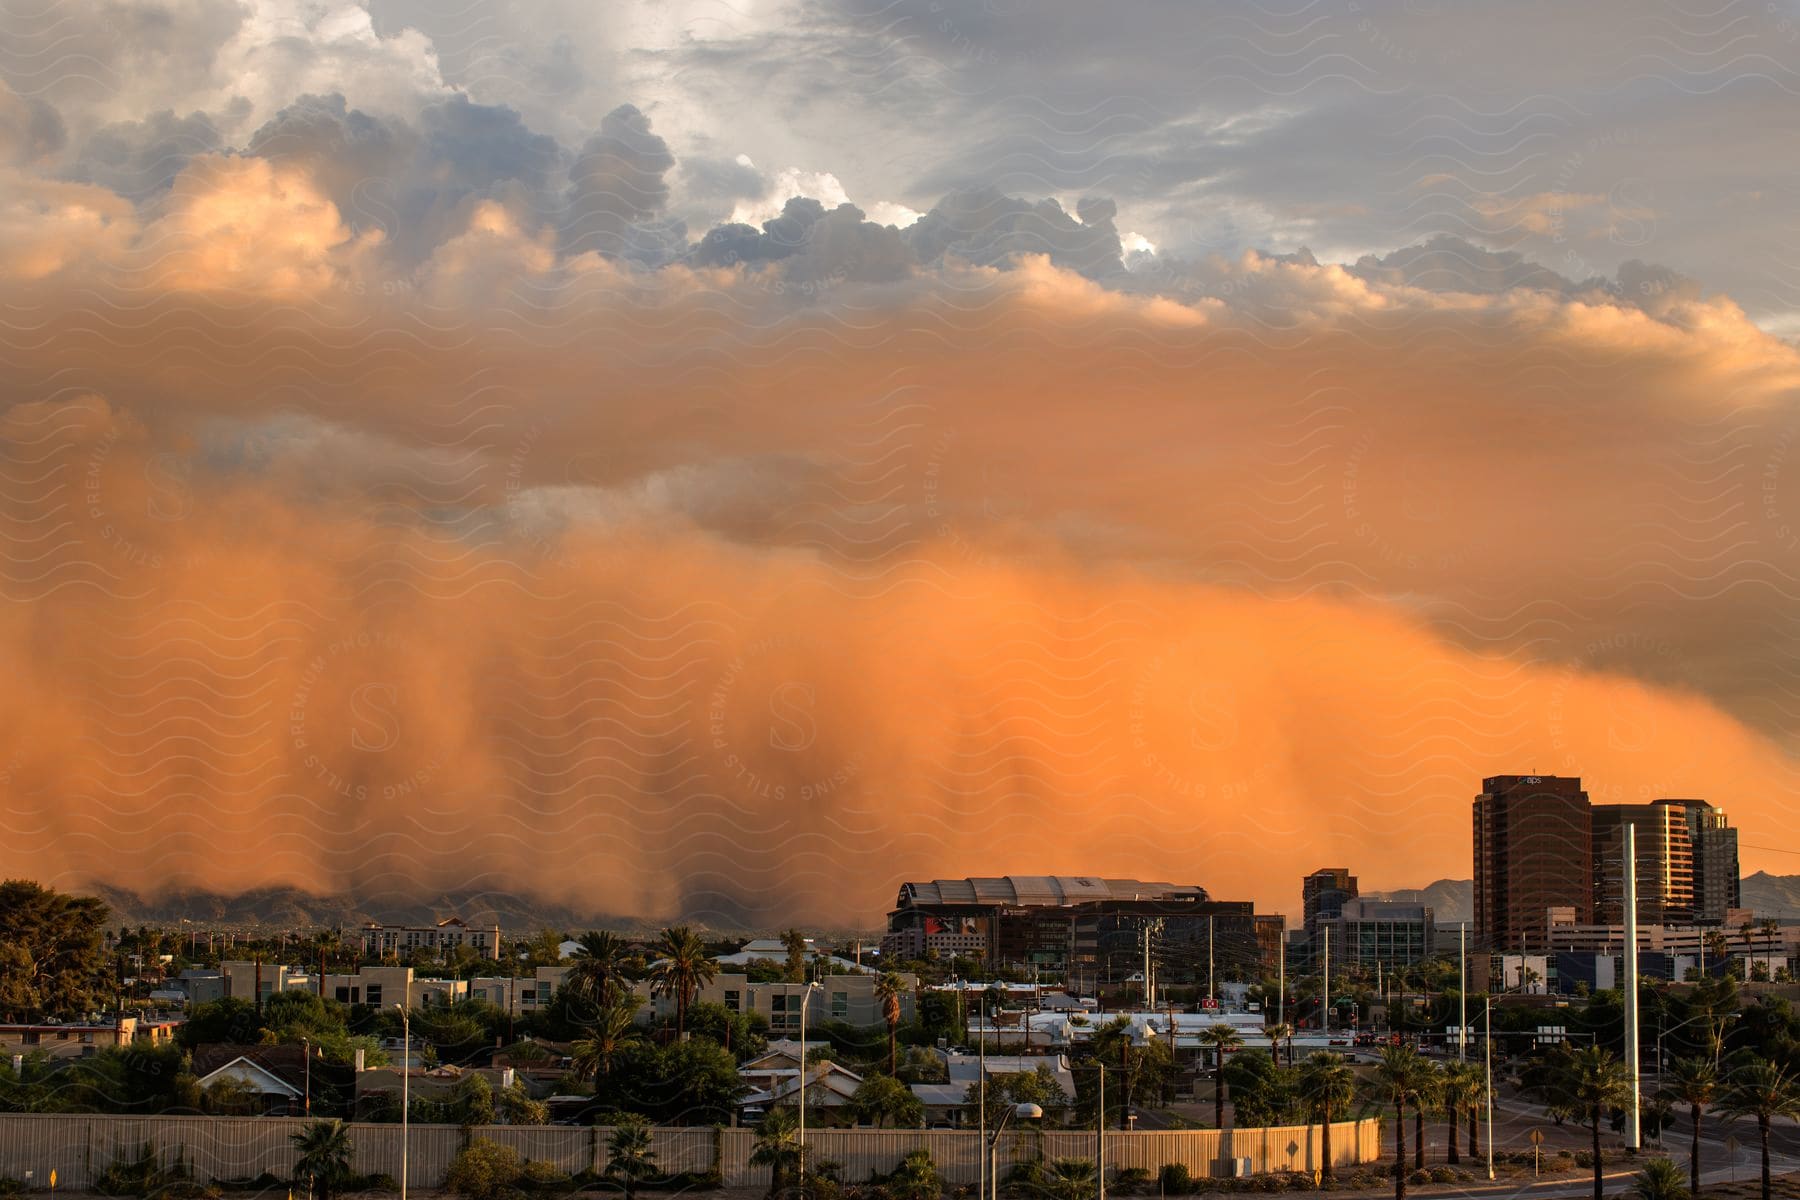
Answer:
[(343, 995), (734, 1001), (840, 1004), (375, 994)]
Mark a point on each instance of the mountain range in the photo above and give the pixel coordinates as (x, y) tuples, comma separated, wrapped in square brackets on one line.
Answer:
[(1453, 900)]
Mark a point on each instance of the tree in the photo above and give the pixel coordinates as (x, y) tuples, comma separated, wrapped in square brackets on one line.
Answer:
[(1695, 1083), (322, 1157), (596, 972), (593, 1055), (629, 1156), (1276, 1033), (1763, 1090), (1220, 1037), (685, 967), (1584, 1084), (485, 1170), (888, 989), (1071, 1179), (1327, 1088), (1115, 1035), (1396, 1081), (1428, 1093), (1459, 1084), (880, 1099), (1659, 1180), (777, 1147), (916, 1178), (52, 956), (795, 943)]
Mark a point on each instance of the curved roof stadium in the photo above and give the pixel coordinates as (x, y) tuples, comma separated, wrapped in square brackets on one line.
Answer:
[(1039, 891)]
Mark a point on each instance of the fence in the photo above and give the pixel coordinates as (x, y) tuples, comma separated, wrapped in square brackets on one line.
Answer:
[(80, 1147)]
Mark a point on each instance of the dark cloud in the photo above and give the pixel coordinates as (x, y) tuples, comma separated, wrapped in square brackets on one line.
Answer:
[(616, 183), (985, 227)]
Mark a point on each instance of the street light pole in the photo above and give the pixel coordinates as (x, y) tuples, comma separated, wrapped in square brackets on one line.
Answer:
[(1633, 1130), (405, 1085), (1100, 1137), (993, 1165), (805, 995), (1487, 1005), (1462, 988), (306, 1052)]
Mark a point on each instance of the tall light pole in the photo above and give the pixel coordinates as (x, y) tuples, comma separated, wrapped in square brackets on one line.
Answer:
[(306, 1052), (1281, 980), (405, 1086), (1462, 987), (1487, 1006), (1100, 1136), (981, 1099), (1633, 1132), (1325, 982), (1027, 1110), (805, 995)]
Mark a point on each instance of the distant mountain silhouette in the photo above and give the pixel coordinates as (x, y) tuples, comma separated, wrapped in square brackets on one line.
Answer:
[(1451, 900)]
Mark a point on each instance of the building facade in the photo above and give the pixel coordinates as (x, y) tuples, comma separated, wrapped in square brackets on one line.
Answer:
[(1368, 932), (399, 941), (1534, 850), (1092, 928), (849, 998), (1665, 863), (1714, 847), (1322, 896)]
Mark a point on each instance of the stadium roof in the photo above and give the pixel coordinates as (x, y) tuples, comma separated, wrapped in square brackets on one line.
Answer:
[(1039, 891)]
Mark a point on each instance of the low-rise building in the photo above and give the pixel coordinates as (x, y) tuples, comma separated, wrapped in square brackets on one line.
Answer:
[(384, 941), (848, 998)]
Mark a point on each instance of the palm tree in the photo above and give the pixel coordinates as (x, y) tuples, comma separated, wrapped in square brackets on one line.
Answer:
[(1396, 1080), (593, 1056), (1220, 1037), (1460, 1088), (1327, 1087), (596, 969), (1477, 1096), (1763, 1090), (777, 1147), (1586, 1083), (1427, 1092), (630, 1157), (888, 989), (1659, 1180), (1275, 1033), (1770, 929), (1070, 1179), (685, 967), (1695, 1083), (323, 1156), (1117, 1033)]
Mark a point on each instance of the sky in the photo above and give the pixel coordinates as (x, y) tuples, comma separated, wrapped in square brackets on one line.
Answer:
[(720, 461)]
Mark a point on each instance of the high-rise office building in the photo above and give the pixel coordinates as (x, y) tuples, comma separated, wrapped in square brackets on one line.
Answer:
[(1714, 849), (1322, 896), (1665, 864), (1534, 850)]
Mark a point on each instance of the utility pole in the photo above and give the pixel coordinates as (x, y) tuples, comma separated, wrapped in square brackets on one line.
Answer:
[(1149, 995), (981, 1104), (1487, 1004), (1210, 993), (1633, 1132), (1100, 1136), (1281, 980), (1325, 981), (1462, 987)]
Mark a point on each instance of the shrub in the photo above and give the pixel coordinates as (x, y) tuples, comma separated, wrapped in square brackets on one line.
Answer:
[(1131, 1181), (1417, 1177), (485, 1170), (1444, 1174), (1176, 1180), (146, 1173)]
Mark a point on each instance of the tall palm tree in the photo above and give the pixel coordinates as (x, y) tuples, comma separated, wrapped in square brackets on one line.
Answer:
[(323, 1153), (1695, 1083), (596, 969), (630, 1157), (1460, 1084), (1763, 1090), (1396, 1082), (592, 1057), (1771, 930), (686, 966), (1220, 1037), (1116, 1034), (1327, 1088), (889, 987), (1428, 1091), (1275, 1033), (1585, 1084), (1477, 1096)]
